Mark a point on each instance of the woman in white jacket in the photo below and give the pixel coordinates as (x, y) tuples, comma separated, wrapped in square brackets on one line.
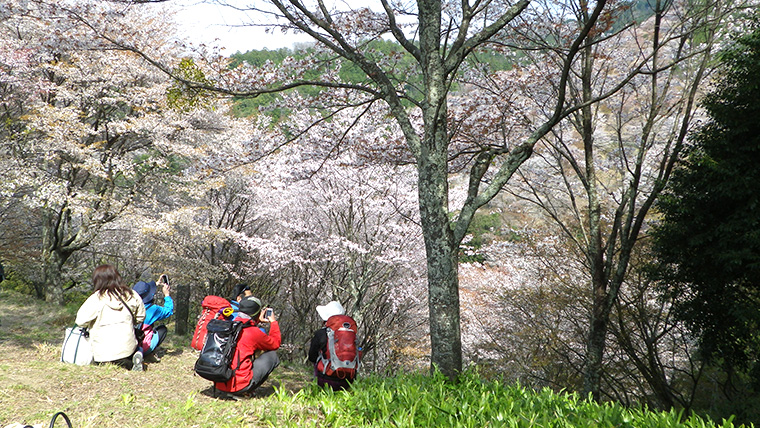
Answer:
[(110, 322)]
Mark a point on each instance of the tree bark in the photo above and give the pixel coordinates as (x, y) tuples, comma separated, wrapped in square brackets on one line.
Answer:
[(595, 249), (182, 309), (52, 278), (592, 373), (442, 268), (432, 169), (52, 261)]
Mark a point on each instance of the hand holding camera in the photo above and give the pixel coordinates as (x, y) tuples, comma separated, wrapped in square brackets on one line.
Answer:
[(164, 280), (267, 315)]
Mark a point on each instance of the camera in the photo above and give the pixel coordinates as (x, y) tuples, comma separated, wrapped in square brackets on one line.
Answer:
[(268, 313), (164, 279)]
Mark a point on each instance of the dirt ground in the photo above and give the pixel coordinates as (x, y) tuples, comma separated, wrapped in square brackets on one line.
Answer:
[(34, 384)]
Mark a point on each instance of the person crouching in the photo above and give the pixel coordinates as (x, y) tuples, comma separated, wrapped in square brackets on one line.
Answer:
[(253, 371)]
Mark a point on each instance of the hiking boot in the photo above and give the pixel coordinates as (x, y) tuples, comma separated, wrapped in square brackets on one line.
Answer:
[(226, 396), (247, 394), (137, 361)]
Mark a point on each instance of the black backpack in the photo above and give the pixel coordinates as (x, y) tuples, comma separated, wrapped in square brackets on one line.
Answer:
[(215, 360)]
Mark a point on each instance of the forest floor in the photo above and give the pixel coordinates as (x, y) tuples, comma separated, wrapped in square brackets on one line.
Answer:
[(34, 384)]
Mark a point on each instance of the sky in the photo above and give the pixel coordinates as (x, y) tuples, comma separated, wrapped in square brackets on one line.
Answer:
[(203, 23)]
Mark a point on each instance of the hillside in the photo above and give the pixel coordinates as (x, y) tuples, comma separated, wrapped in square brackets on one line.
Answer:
[(34, 385)]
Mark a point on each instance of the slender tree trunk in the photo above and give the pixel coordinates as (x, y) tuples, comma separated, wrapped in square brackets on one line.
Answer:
[(182, 309), (597, 336), (595, 249)]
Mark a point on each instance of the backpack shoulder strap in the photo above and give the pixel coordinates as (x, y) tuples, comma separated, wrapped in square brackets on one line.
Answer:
[(245, 323), (134, 318)]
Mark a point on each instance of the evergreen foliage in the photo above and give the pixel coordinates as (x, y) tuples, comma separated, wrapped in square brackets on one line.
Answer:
[(349, 72), (708, 243), (245, 106)]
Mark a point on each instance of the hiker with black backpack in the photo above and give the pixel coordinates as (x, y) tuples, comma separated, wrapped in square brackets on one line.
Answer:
[(248, 369), (334, 349)]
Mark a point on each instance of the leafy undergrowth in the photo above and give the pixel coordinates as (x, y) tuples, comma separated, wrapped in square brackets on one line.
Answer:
[(34, 385), (429, 401)]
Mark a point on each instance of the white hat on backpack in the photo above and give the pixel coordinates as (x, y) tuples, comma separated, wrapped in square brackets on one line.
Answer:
[(330, 309)]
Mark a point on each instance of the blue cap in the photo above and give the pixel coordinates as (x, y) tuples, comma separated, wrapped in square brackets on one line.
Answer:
[(146, 290)]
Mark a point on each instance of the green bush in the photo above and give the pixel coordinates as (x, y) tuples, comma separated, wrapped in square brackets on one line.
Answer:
[(14, 282), (418, 400)]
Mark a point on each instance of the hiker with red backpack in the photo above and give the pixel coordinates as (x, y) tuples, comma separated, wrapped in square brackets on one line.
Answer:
[(334, 349), (251, 371), (215, 307)]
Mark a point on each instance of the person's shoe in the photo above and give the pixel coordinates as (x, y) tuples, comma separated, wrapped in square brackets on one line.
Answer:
[(137, 361), (247, 394)]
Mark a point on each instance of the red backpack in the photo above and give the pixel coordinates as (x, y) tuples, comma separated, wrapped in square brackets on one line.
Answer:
[(212, 307), (341, 358)]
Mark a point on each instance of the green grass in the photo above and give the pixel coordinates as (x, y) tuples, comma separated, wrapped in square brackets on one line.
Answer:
[(34, 385), (430, 401)]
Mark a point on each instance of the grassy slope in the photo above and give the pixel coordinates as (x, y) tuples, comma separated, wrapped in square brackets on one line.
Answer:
[(34, 386)]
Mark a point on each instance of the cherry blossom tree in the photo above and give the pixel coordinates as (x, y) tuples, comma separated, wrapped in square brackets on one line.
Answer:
[(299, 228), (600, 172), (340, 227), (80, 119), (345, 234), (439, 37)]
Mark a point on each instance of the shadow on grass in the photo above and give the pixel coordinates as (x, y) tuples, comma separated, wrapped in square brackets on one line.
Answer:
[(174, 352), (261, 392)]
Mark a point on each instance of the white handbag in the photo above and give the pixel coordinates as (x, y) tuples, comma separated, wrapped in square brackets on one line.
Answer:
[(76, 346)]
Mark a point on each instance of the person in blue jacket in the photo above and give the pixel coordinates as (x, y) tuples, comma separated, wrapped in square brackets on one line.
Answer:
[(239, 292), (154, 335)]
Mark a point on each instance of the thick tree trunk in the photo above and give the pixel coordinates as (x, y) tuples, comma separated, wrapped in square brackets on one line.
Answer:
[(52, 278), (443, 294), (52, 262), (432, 169), (442, 257)]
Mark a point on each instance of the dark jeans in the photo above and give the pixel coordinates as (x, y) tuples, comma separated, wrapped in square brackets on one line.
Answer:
[(161, 331), (263, 366)]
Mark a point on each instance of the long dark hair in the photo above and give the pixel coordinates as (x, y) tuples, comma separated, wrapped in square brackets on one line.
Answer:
[(106, 279)]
